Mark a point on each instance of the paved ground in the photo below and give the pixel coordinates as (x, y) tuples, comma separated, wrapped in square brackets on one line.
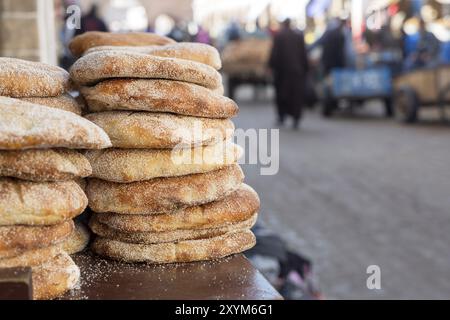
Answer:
[(361, 190)]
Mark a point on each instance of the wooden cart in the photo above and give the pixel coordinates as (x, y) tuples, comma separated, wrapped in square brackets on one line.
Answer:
[(245, 62), (421, 88)]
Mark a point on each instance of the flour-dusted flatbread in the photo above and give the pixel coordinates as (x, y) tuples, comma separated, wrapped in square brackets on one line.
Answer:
[(150, 130), (55, 277), (107, 232), (163, 195), (91, 39), (156, 95), (131, 165), (39, 203), (24, 125), (236, 207), (102, 65), (44, 164), (64, 102), (180, 251), (16, 239), (198, 52), (22, 78)]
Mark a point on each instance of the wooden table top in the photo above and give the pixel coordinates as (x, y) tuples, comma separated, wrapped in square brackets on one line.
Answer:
[(230, 278)]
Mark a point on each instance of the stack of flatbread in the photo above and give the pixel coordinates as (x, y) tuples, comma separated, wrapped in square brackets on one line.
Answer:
[(39, 171), (170, 190)]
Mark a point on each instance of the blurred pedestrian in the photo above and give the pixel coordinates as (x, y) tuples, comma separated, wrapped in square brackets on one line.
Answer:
[(91, 22), (426, 51), (179, 32), (289, 65), (202, 36), (333, 43), (233, 31)]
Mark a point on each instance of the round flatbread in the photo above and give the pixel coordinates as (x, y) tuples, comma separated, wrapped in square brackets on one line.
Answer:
[(101, 65), (236, 207), (91, 39), (192, 51), (107, 232), (131, 165), (21, 78), (160, 130), (44, 164), (155, 95), (78, 240), (64, 102), (54, 278), (173, 252), (39, 203), (24, 125), (15, 240), (31, 258), (163, 195)]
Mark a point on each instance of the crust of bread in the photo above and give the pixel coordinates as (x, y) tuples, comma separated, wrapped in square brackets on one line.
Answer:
[(163, 195), (21, 78), (44, 164), (78, 240), (102, 65), (31, 258), (160, 130), (157, 95), (131, 165), (54, 278), (198, 52), (236, 207), (107, 232), (80, 44), (15, 240), (39, 203), (64, 102), (24, 125), (173, 252)]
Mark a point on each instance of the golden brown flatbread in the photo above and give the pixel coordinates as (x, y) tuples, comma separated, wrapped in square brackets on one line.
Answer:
[(24, 125), (236, 207), (193, 51), (78, 240), (156, 95), (172, 252), (107, 232), (131, 165), (64, 102), (91, 39), (21, 78), (160, 130), (102, 65), (15, 240), (44, 164), (55, 277), (39, 203), (163, 195)]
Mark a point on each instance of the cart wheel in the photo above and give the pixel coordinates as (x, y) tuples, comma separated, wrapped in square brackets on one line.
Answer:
[(327, 110), (406, 105), (388, 108), (328, 105)]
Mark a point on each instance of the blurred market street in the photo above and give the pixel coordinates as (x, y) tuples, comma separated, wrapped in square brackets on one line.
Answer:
[(359, 190)]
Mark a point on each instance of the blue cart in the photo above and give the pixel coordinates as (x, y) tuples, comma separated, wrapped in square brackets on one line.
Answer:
[(356, 86)]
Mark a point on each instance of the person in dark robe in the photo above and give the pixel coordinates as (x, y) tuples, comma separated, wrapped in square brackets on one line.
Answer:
[(333, 48), (289, 65), (91, 22)]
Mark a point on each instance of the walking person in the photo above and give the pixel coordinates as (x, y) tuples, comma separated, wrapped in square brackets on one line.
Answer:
[(289, 65)]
